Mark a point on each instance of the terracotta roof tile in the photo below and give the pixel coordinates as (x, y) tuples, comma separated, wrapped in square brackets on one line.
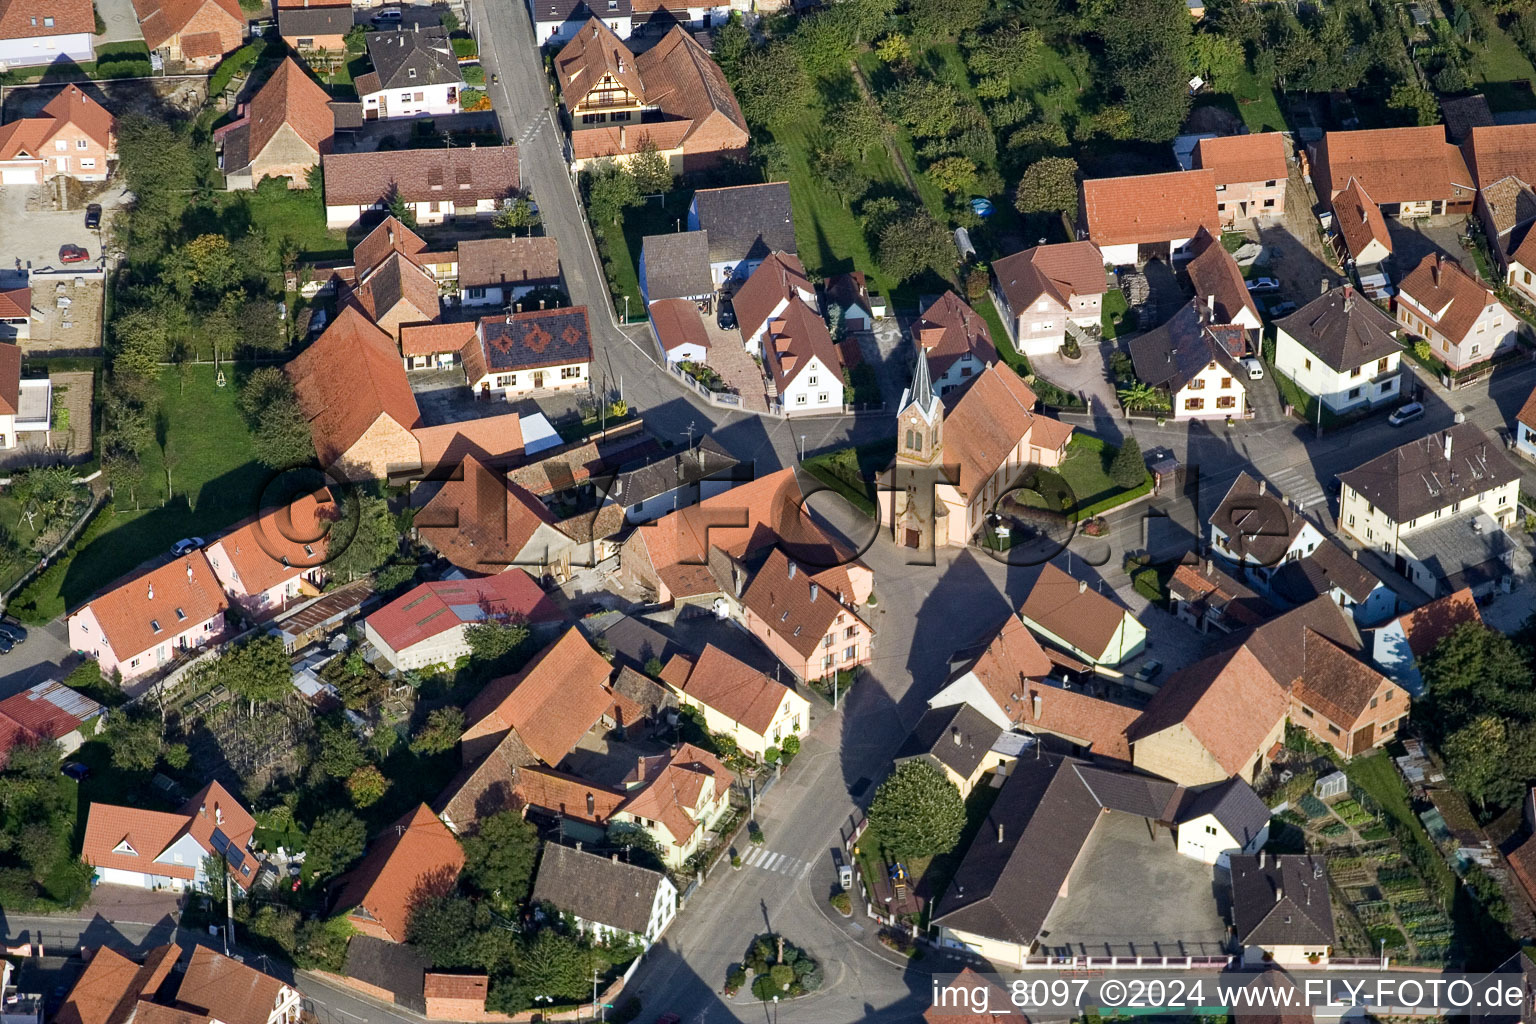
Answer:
[(1218, 281), (1229, 702), (47, 709), (149, 833), (1088, 721), (1062, 271), (493, 440), (1150, 207), (1207, 585), (1334, 681), (160, 20), (390, 236), (348, 378), (482, 522), (1452, 300), (485, 787), (615, 140), (107, 991), (1427, 626), (594, 52), (986, 420), (795, 337), (775, 281), (15, 302), (514, 262), (439, 605), (1073, 610), (280, 544), (150, 607), (416, 855), (949, 329), (1359, 220), (73, 105), (396, 287), (227, 990), (458, 175), (10, 377), (1011, 658), (1500, 151), (471, 987), (731, 687), (435, 339), (681, 80), (677, 322), (1241, 159), (970, 982), (290, 97), (557, 793), (552, 703), (1395, 165), (671, 786), (798, 603), (22, 20)]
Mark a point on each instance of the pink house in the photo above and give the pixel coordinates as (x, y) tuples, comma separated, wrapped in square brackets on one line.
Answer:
[(151, 618), (277, 557)]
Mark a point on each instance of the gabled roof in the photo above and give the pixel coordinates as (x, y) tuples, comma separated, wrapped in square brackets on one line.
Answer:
[(593, 54), (46, 710), (655, 474), (290, 97), (1433, 472), (1501, 151), (409, 58), (969, 981), (415, 856), (957, 736), (795, 337), (348, 378), (678, 323), (440, 605), (552, 702), (131, 838), (227, 990), (1259, 526), (779, 278), (1010, 659), (728, 685), (1426, 626), (390, 236), (985, 421), (399, 287), (1062, 272), (281, 543), (509, 262), (1229, 702), (1326, 568), (1180, 350), (598, 889), (160, 20), (1218, 281), (1240, 159), (682, 81), (1511, 203), (528, 340), (16, 303), (458, 175), (746, 221), (1204, 583), (494, 440), (677, 265), (1395, 165), (22, 20), (949, 330), (430, 339), (109, 989), (671, 786), (152, 606), (1451, 299), (482, 522), (1073, 610), (1233, 803), (1281, 900), (29, 136), (313, 20), (1280, 644), (1359, 220), (1147, 208), (1335, 682)]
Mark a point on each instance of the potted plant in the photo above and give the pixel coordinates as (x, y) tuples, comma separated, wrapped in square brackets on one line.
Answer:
[(736, 860)]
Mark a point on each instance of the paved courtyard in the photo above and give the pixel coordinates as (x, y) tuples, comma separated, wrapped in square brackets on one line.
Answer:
[(730, 359), (1132, 895)]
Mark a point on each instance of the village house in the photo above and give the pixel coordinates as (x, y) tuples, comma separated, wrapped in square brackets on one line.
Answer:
[(165, 850), (194, 33), (956, 456), (609, 899), (675, 798), (1437, 508), (676, 266), (1070, 614), (496, 441), (777, 282), (672, 97), (73, 136), (413, 859), (846, 298), (1147, 216), (352, 389), (314, 28), (500, 271), (1502, 159), (555, 22), (284, 132), (1219, 285), (1343, 349), (678, 327), (33, 34), (987, 677), (151, 618), (1397, 646), (1463, 321), (1040, 290), (1362, 239), (578, 809), (1409, 172), (16, 314), (957, 340), (1332, 571), (807, 617), (803, 364), (270, 560), (395, 293), (1260, 531), (1203, 595), (437, 185), (1250, 173), (415, 74), (744, 223), (1521, 265), (738, 700), (1281, 909), (655, 17), (26, 405), (1525, 428), (46, 712), (651, 487), (956, 741), (209, 989), (483, 522), (425, 625), (1195, 363), (535, 351)]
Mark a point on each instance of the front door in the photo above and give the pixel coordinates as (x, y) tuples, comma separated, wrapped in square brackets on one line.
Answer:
[(1363, 739), (485, 389), (538, 379), (913, 538)]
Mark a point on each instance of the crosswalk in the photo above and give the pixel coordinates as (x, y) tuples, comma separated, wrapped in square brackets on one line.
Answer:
[(782, 863), (532, 130), (1299, 484)]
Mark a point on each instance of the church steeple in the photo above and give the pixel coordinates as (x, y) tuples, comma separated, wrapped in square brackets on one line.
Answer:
[(920, 394), (920, 417)]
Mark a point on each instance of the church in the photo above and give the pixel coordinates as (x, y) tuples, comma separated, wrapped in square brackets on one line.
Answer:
[(956, 455)]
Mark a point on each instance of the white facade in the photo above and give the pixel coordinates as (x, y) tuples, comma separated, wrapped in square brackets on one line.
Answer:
[(968, 689), (1495, 330), (426, 211), (412, 101), (663, 910), (443, 648), (75, 46), (1305, 541), (511, 384), (1373, 528), (957, 373), (34, 412), (557, 31), (496, 295), (817, 388), (1126, 255), (754, 341), (1525, 439), (1340, 390), (1207, 840), (1215, 393)]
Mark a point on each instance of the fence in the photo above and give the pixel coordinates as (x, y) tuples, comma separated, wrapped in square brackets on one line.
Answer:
[(69, 538)]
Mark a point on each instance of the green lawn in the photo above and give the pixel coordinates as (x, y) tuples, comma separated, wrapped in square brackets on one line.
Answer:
[(1258, 103), (282, 212), (1306, 406), (1086, 471), (203, 448), (1377, 777), (653, 217), (1000, 337), (1497, 66), (851, 471), (1114, 314)]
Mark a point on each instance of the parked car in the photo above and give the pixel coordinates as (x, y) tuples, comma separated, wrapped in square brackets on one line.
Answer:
[(93, 216), (388, 16), (1282, 308), (1406, 413), (77, 771), (725, 316), (16, 634), (72, 254), (6, 645), (1149, 670), (1264, 284), (1254, 367), (186, 546)]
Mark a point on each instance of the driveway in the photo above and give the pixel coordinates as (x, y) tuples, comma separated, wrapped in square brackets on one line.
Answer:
[(44, 655), (1414, 239), (32, 228), (122, 23)]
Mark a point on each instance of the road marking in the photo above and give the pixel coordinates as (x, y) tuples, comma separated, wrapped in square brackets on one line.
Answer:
[(789, 865), (772, 859), (807, 869), (756, 855)]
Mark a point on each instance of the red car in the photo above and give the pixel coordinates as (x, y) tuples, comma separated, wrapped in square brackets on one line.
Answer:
[(72, 254)]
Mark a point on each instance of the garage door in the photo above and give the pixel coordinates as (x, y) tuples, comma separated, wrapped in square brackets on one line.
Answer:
[(18, 176)]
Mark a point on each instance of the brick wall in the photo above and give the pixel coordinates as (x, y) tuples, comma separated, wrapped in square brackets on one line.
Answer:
[(385, 446)]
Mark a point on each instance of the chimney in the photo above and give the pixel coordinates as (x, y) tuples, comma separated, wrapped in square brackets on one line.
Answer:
[(591, 803), (1082, 586), (999, 831), (151, 591), (541, 303), (792, 570), (955, 735), (1210, 303), (202, 810), (1262, 858), (189, 568), (1349, 297), (218, 815), (814, 591), (517, 307), (1434, 272), (1355, 553), (1323, 290), (1210, 567), (1279, 893), (614, 857), (1447, 446), (623, 134), (578, 846)]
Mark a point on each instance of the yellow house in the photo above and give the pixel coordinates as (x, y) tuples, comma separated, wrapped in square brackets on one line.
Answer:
[(676, 798), (737, 700), (957, 740), (1069, 613)]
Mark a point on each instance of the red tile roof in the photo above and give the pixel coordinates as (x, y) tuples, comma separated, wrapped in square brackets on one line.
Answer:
[(1099, 725), (415, 856), (346, 380), (396, 286), (1074, 611), (109, 988), (1395, 165), (281, 543), (1427, 626), (149, 833), (160, 20), (440, 605), (290, 97), (435, 339), (593, 54), (391, 236), (223, 988), (15, 302), (482, 522), (1359, 219), (44, 710), (1062, 271), (1334, 681), (1452, 300), (774, 281), (1501, 151), (508, 262), (494, 440), (608, 141), (1012, 657), (800, 604), (795, 338), (10, 377), (950, 330), (730, 686), (1148, 208), (153, 606), (73, 105), (461, 174), (1242, 159), (672, 785), (985, 421), (554, 792), (959, 1008), (677, 322), (1229, 702), (1218, 281), (552, 703), (471, 987), (22, 20)]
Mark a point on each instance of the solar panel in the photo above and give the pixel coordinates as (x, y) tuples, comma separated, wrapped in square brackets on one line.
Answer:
[(220, 840), (234, 856)]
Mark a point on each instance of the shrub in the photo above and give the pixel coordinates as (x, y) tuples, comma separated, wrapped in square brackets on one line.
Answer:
[(841, 902), (464, 46), (734, 979)]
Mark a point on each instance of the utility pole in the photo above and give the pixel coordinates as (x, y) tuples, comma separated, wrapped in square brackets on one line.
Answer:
[(229, 910)]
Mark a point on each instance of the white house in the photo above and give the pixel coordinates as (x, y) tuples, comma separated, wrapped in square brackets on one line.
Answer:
[(1221, 820), (610, 899), (1341, 348), (647, 490), (804, 362), (777, 281), (26, 406), (166, 850), (1195, 363), (1396, 646), (1525, 428), (1463, 321), (425, 626), (556, 21), (679, 330), (1331, 571), (1260, 531), (1281, 911), (32, 34), (501, 271), (1135, 217), (415, 74), (1040, 290)]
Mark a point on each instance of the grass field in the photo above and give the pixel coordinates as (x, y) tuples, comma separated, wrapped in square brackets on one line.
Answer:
[(1497, 67), (1086, 469), (200, 476), (281, 212), (1257, 103)]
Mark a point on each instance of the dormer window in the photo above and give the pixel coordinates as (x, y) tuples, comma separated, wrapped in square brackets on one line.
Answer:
[(154, 624), (125, 848), (309, 549), (181, 616), (410, 73)]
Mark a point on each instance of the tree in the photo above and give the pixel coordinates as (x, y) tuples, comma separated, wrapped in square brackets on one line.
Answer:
[(446, 926), (1127, 469), (1472, 672), (1146, 43), (1038, 138), (519, 213), (46, 496), (399, 210), (927, 107), (439, 732), (364, 538), (843, 176), (1491, 760), (282, 438), (893, 48), (338, 753), (917, 812), (855, 128), (134, 738), (825, 40), (1416, 103), (947, 20), (918, 243), (611, 192), (491, 640), (335, 840), (652, 171), (772, 83), (1049, 185), (732, 44), (367, 786), (257, 670), (1142, 397), (555, 964), (205, 266), (499, 856), (1004, 52), (953, 174), (1216, 58)]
